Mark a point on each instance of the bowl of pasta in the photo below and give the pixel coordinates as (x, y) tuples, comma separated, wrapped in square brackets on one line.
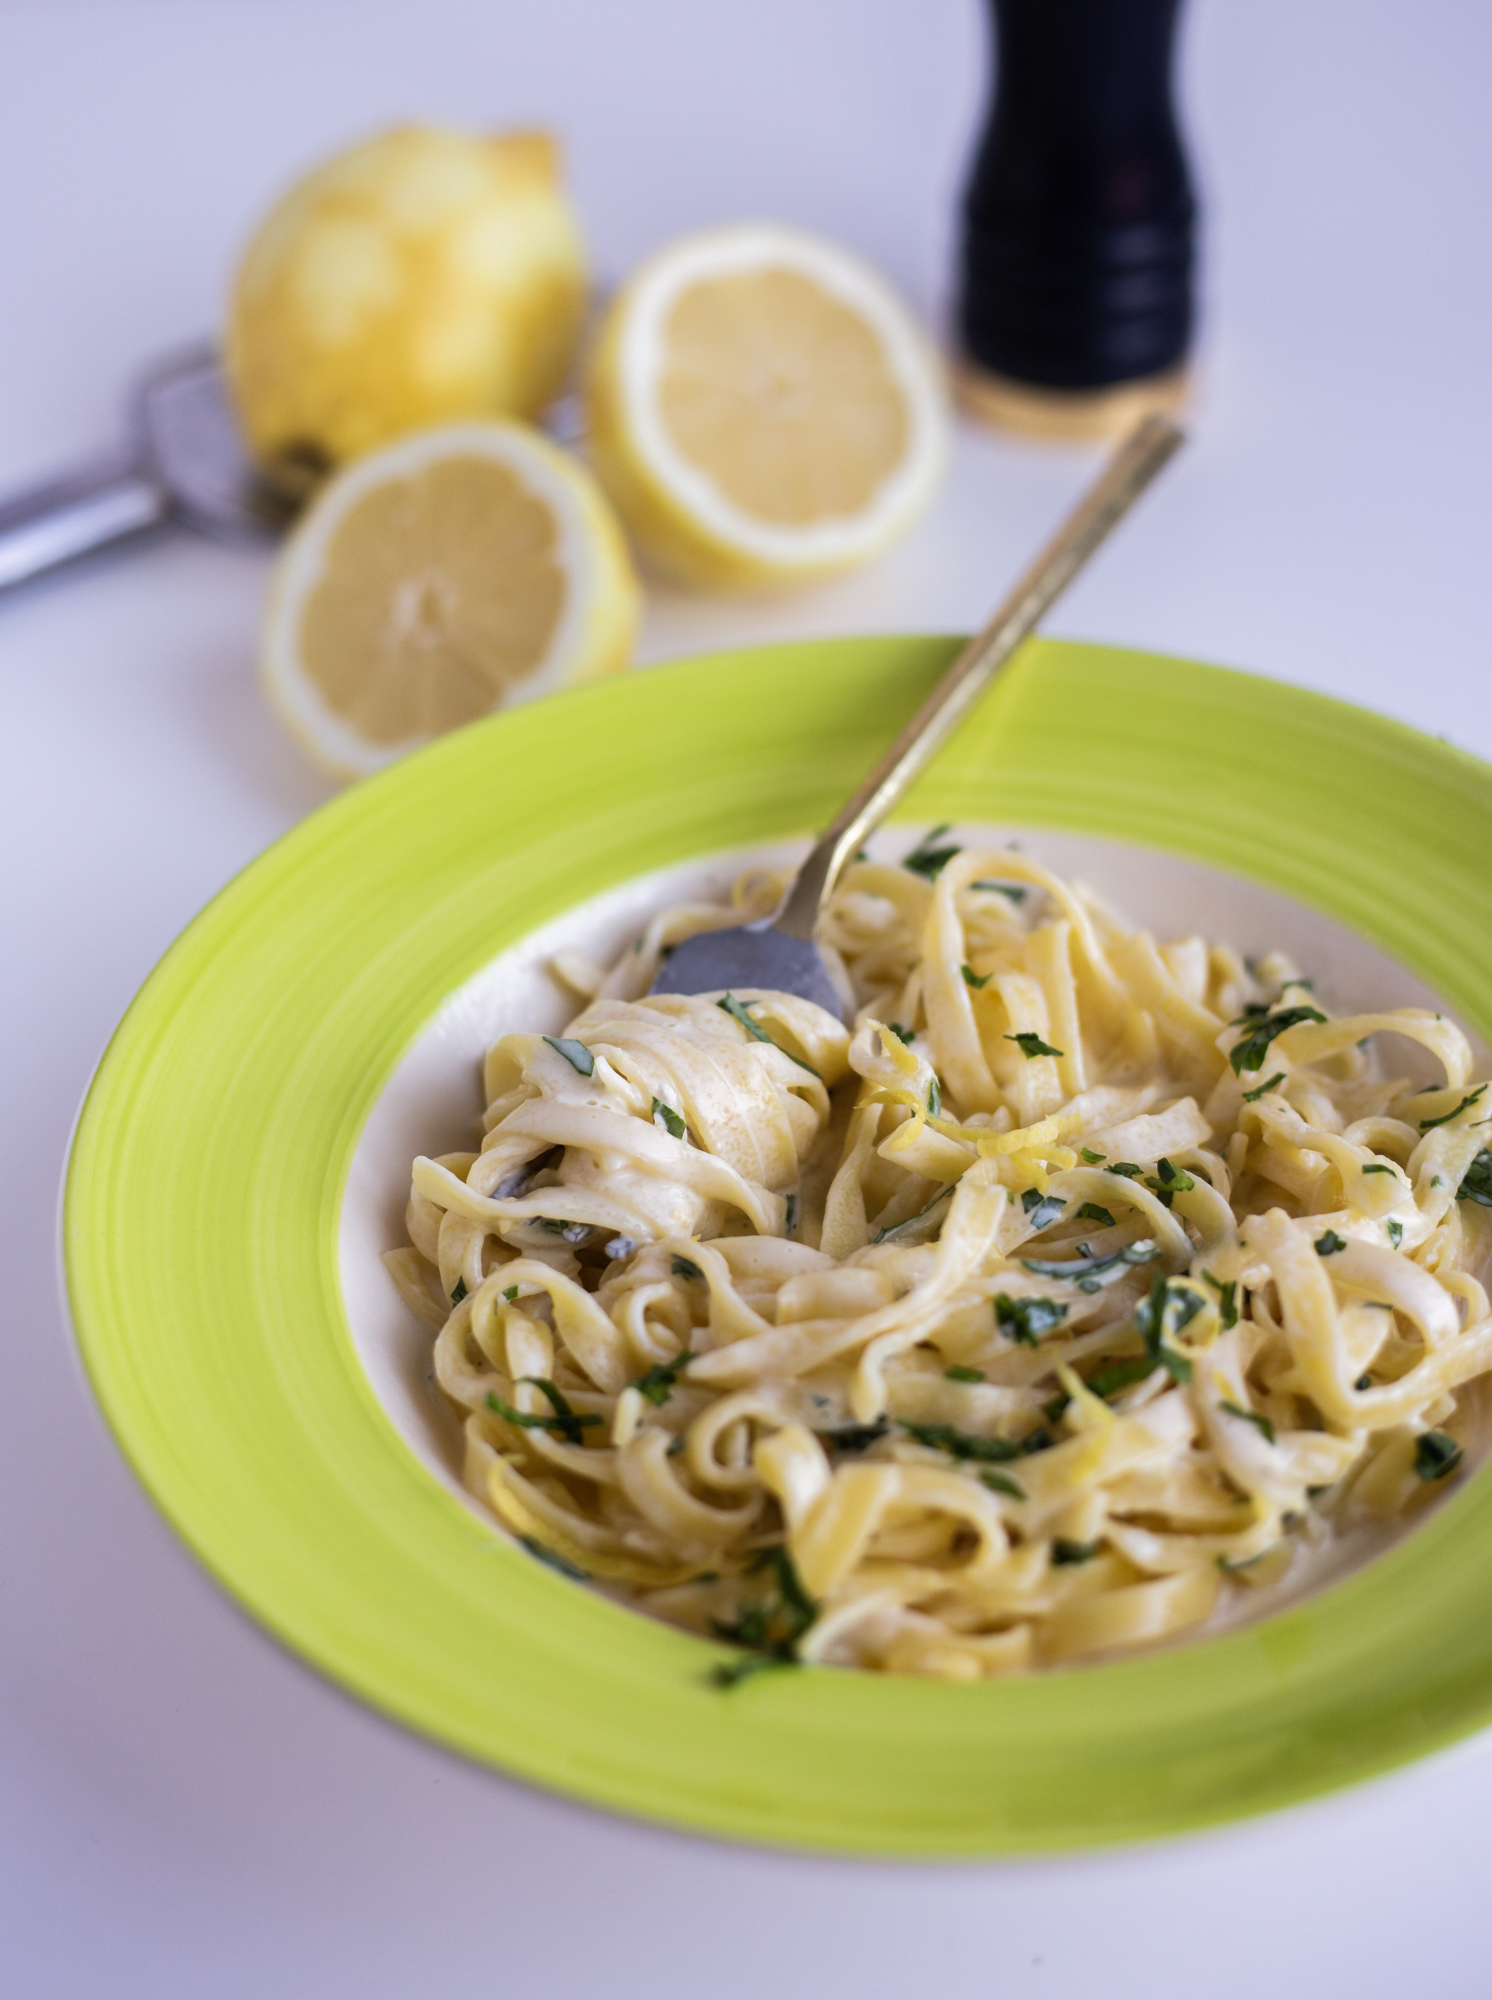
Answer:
[(1042, 1406)]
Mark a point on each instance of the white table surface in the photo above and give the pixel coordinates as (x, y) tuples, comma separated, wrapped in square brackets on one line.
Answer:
[(186, 1810)]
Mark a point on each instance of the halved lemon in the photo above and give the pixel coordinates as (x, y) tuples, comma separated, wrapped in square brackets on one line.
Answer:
[(764, 408), (448, 574)]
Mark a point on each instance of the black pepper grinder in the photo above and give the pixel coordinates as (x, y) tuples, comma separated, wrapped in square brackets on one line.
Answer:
[(1076, 308)]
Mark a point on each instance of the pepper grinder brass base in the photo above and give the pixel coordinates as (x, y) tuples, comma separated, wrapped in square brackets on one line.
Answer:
[(1066, 416)]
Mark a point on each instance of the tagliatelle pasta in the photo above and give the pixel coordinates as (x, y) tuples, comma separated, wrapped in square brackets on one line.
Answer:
[(1081, 1283)]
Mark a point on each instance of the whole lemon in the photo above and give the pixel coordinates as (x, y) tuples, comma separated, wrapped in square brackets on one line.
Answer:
[(423, 277)]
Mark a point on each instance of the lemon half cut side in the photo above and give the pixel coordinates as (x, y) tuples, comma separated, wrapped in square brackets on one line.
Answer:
[(449, 574), (764, 408)]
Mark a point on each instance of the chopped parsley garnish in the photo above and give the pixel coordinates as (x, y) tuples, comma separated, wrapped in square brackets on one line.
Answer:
[(904, 1035), (1429, 1124), (573, 1232), (1042, 1209), (1436, 1453), (511, 1293), (682, 1268), (892, 1227), (1251, 1051), (1127, 1169), (1364, 1381), (958, 1373), (855, 1437), (1476, 1182), (1031, 1045), (1261, 1424), (1001, 1482), (1168, 1181), (1014, 890), (934, 1098), (1328, 1243), (789, 1212), (665, 1115), (1090, 1273), (963, 1444), (732, 1006), (926, 858), (1120, 1375), (772, 1626), (1160, 1317), (658, 1383), (1064, 1551), (1253, 1096), (458, 1292), (1026, 1320), (1091, 1212), (553, 1559), (1395, 1233), (1227, 1299), (576, 1054), (564, 1421), (1089, 1156), (975, 979), (731, 1673), (1377, 1167)]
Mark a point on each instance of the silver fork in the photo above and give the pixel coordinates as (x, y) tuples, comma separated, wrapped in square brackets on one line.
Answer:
[(778, 952)]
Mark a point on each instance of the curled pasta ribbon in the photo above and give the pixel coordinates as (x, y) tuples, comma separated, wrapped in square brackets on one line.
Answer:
[(1014, 1327)]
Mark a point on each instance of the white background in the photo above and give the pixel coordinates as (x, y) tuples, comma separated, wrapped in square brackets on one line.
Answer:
[(183, 1808)]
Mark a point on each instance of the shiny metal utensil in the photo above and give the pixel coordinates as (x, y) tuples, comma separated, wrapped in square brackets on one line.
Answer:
[(778, 952), (183, 464)]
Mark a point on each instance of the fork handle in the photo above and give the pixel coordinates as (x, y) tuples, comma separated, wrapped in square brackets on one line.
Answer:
[(51, 524), (1107, 501)]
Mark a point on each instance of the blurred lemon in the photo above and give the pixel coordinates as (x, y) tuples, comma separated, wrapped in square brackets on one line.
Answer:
[(764, 408), (420, 278), (448, 574)]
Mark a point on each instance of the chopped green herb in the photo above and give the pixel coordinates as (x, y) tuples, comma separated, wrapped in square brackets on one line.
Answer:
[(1127, 1169), (1253, 1096), (855, 1437), (1377, 1167), (1251, 1051), (789, 1212), (553, 1559), (731, 1673), (1168, 1181), (1026, 1320), (1014, 890), (732, 1006), (682, 1268), (1328, 1243), (1091, 1212), (905, 1035), (1436, 1454), (1476, 1182), (1227, 1305), (576, 1054), (1429, 1124), (1365, 1380), (1001, 1482), (891, 1228), (511, 1293), (958, 1373), (1056, 1407), (1088, 1155), (934, 1098), (1064, 1551), (1090, 1273), (772, 1626), (975, 979), (1120, 1375), (1042, 1209), (564, 1421), (929, 860), (1168, 1308), (657, 1385), (1395, 1233), (962, 1444), (1031, 1045), (1261, 1424), (665, 1115), (458, 1291)]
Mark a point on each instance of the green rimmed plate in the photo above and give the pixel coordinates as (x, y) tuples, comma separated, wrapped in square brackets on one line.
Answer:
[(202, 1217)]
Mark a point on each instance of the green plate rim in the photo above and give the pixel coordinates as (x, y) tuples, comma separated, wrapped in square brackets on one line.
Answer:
[(205, 1179)]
